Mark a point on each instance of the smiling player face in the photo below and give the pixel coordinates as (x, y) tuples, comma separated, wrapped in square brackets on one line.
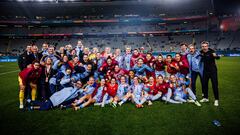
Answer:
[(36, 65)]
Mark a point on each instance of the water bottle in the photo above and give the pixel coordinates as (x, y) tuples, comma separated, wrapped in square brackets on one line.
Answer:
[(217, 123)]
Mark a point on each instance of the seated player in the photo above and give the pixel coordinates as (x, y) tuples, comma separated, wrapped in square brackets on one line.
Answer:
[(181, 92), (137, 93), (151, 92), (111, 92), (60, 97), (86, 99), (122, 92), (165, 90), (97, 99)]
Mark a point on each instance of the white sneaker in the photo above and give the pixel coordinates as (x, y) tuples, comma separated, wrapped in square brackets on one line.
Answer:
[(197, 103), (150, 103), (204, 100), (97, 104), (21, 106), (120, 103), (190, 101), (216, 103)]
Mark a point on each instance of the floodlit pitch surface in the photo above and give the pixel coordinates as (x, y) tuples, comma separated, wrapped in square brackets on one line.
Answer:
[(152, 120)]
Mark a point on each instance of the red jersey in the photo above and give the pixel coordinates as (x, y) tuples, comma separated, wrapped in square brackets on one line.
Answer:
[(172, 70), (105, 67), (152, 89), (159, 66), (71, 64), (150, 63), (134, 59), (183, 66), (112, 90), (30, 75), (163, 87), (118, 74)]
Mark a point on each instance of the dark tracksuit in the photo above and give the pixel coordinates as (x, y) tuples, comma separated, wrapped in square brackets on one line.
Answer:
[(210, 72), (24, 60)]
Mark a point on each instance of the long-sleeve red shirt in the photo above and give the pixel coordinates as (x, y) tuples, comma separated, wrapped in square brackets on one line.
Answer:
[(30, 75), (162, 87)]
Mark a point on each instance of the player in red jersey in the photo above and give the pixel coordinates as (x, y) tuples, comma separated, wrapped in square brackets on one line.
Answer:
[(152, 93), (172, 66), (159, 66), (29, 77), (135, 56), (111, 92), (183, 64)]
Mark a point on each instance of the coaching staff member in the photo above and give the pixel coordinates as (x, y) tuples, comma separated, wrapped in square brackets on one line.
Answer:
[(209, 72)]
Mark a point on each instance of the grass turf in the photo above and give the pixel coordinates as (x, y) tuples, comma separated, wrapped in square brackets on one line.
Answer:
[(156, 119)]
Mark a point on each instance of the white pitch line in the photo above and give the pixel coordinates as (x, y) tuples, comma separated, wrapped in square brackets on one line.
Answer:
[(9, 72)]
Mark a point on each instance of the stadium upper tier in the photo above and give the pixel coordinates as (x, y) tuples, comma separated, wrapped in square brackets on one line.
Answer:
[(159, 44)]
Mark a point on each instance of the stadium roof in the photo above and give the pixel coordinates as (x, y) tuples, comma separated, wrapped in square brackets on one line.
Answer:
[(53, 8)]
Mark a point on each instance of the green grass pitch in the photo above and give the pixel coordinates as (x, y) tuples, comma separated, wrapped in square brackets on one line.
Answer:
[(157, 119)]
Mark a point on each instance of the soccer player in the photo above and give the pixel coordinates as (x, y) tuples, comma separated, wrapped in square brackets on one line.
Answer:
[(97, 99), (151, 92), (118, 57), (159, 66), (87, 95), (118, 72), (109, 64), (181, 91), (138, 93), (122, 92), (182, 64), (130, 77), (135, 56), (172, 66), (149, 61), (164, 88), (127, 59), (111, 92), (60, 97), (184, 50), (140, 69), (29, 77)]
